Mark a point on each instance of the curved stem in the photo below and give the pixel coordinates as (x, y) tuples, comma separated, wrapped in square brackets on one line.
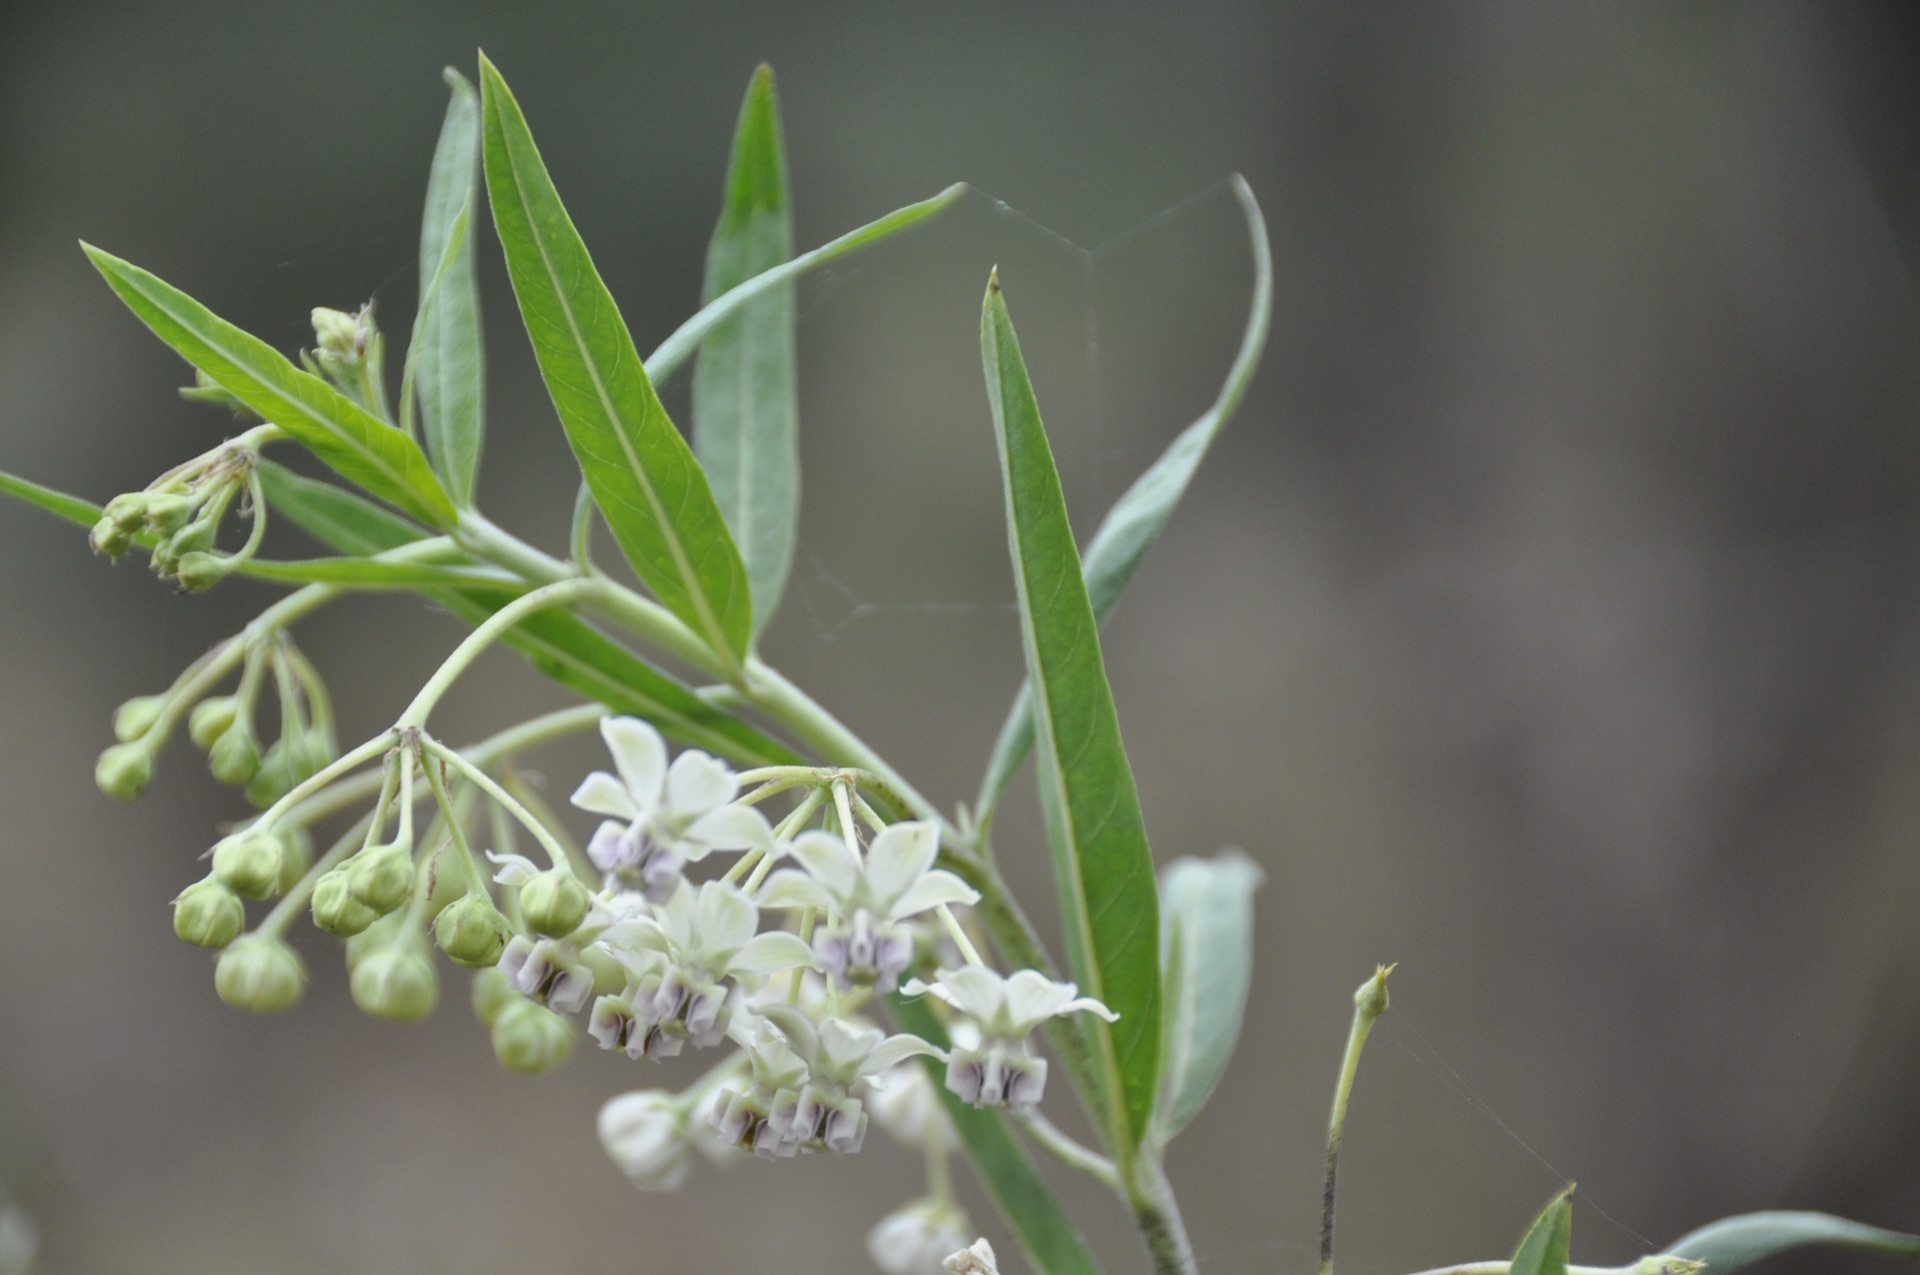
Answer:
[(1079, 1158), (484, 636), (1157, 1214), (1368, 1004), (556, 853)]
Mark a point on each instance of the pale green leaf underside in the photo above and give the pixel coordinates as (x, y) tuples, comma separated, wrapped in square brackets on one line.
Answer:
[(1102, 863), (745, 414), (1734, 1242), (1544, 1249), (360, 447), (449, 358), (1137, 518), (1045, 1231), (643, 476), (1206, 965)]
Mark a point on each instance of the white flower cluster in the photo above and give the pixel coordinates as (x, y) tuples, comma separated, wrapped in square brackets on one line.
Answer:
[(675, 963)]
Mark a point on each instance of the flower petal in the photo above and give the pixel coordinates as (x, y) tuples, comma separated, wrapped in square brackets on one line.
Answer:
[(801, 1036), (1092, 1006), (677, 914), (639, 754), (602, 794), (791, 888), (898, 857), (724, 918), (896, 1049), (832, 864), (770, 953), (697, 783), (931, 890), (844, 1045), (514, 868), (728, 828), (979, 992), (1032, 997)]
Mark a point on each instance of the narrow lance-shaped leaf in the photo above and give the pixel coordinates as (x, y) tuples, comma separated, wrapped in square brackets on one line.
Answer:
[(1136, 519), (642, 474), (449, 360), (1544, 1249), (1102, 863), (745, 415), (74, 509), (1044, 1229), (1206, 964), (359, 446), (1733, 1242), (560, 644)]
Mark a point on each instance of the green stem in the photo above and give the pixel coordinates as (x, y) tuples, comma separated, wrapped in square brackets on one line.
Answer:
[(558, 594), (476, 877), (275, 923), (1157, 1214), (1368, 1004), (556, 853), (1069, 1152)]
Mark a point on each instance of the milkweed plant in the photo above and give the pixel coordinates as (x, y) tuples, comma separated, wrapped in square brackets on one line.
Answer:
[(773, 895)]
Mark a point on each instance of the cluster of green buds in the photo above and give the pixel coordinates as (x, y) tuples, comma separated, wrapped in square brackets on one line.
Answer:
[(224, 726), (350, 352), (178, 515)]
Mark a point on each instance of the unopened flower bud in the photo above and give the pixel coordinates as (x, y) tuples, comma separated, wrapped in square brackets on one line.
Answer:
[(530, 1038), (208, 914), (210, 719), (195, 537), (123, 770), (1371, 998), (248, 863), (396, 981), (235, 756), (197, 571), (492, 993), (167, 512), (975, 1259), (471, 931), (127, 511), (554, 902), (109, 538), (916, 1239), (272, 780), (341, 337), (382, 876), (259, 973), (137, 716), (296, 856), (335, 910), (645, 1135)]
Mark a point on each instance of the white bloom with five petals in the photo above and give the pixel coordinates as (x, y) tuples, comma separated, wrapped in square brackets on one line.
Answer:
[(1001, 1071), (667, 815)]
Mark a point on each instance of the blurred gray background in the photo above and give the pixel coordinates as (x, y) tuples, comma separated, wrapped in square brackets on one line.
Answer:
[(1548, 621)]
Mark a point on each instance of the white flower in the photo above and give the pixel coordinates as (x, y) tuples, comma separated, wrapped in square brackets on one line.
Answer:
[(669, 816), (843, 1058), (913, 1239), (975, 1259), (645, 1134), (707, 937), (1001, 1071), (905, 1104), (547, 971), (865, 901)]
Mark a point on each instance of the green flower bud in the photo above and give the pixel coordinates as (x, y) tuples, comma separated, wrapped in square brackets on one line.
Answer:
[(341, 337), (198, 571), (109, 538), (136, 717), (396, 981), (492, 993), (381, 933), (249, 863), (310, 752), (530, 1038), (123, 770), (271, 781), (127, 511), (210, 719), (471, 931), (208, 914), (167, 512), (1371, 998), (259, 973), (235, 756), (335, 910), (554, 902), (381, 877), (296, 856), (195, 537), (163, 559)]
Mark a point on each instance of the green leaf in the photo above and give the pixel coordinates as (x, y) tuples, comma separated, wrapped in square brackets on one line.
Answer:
[(1102, 863), (368, 573), (449, 360), (745, 415), (1136, 519), (1733, 1242), (1544, 1249), (332, 515), (642, 474), (82, 513), (359, 446), (1206, 964), (560, 644), (1052, 1242)]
